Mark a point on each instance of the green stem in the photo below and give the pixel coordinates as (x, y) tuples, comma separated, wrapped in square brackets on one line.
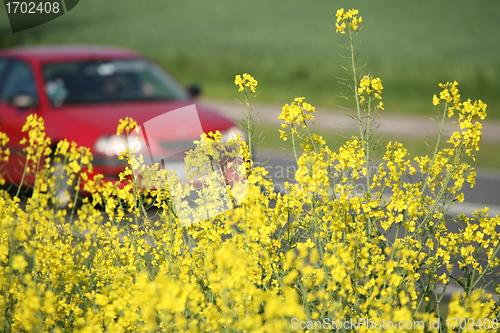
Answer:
[(293, 145), (22, 179), (436, 148), (364, 141), (249, 125)]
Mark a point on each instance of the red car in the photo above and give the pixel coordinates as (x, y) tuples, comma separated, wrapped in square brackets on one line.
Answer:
[(82, 91)]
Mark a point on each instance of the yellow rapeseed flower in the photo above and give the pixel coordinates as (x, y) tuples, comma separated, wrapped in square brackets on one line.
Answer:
[(246, 81), (346, 19), (19, 263)]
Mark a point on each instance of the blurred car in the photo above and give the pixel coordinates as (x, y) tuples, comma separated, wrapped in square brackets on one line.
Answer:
[(82, 91)]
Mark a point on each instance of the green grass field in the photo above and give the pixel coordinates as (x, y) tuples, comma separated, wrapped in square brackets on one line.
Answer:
[(290, 46)]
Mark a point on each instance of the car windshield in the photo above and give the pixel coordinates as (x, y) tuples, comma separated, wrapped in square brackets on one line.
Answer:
[(109, 81)]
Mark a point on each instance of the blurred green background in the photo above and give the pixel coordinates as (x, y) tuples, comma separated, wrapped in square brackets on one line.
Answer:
[(291, 47)]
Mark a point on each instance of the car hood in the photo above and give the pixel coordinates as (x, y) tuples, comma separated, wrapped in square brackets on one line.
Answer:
[(84, 124)]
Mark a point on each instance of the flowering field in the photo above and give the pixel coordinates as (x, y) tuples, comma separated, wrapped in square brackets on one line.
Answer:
[(330, 253)]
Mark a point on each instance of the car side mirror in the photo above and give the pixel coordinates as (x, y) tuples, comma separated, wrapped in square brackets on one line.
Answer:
[(194, 90), (23, 101)]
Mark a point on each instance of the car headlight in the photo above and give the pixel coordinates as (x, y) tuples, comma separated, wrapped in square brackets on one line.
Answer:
[(232, 134), (114, 145)]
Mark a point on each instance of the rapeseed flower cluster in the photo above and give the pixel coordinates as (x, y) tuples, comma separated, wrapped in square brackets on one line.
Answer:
[(347, 19), (372, 89), (348, 239), (246, 81), (469, 135), (4, 154)]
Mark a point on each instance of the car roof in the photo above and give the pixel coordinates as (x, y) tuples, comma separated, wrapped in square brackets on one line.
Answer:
[(56, 53)]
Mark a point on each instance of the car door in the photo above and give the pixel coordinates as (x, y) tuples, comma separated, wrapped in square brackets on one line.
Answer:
[(18, 99)]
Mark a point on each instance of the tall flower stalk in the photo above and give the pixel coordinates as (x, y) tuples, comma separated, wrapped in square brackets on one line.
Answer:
[(248, 85)]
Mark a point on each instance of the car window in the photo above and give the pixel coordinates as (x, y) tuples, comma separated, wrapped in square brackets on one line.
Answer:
[(19, 80), (111, 81), (3, 67)]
